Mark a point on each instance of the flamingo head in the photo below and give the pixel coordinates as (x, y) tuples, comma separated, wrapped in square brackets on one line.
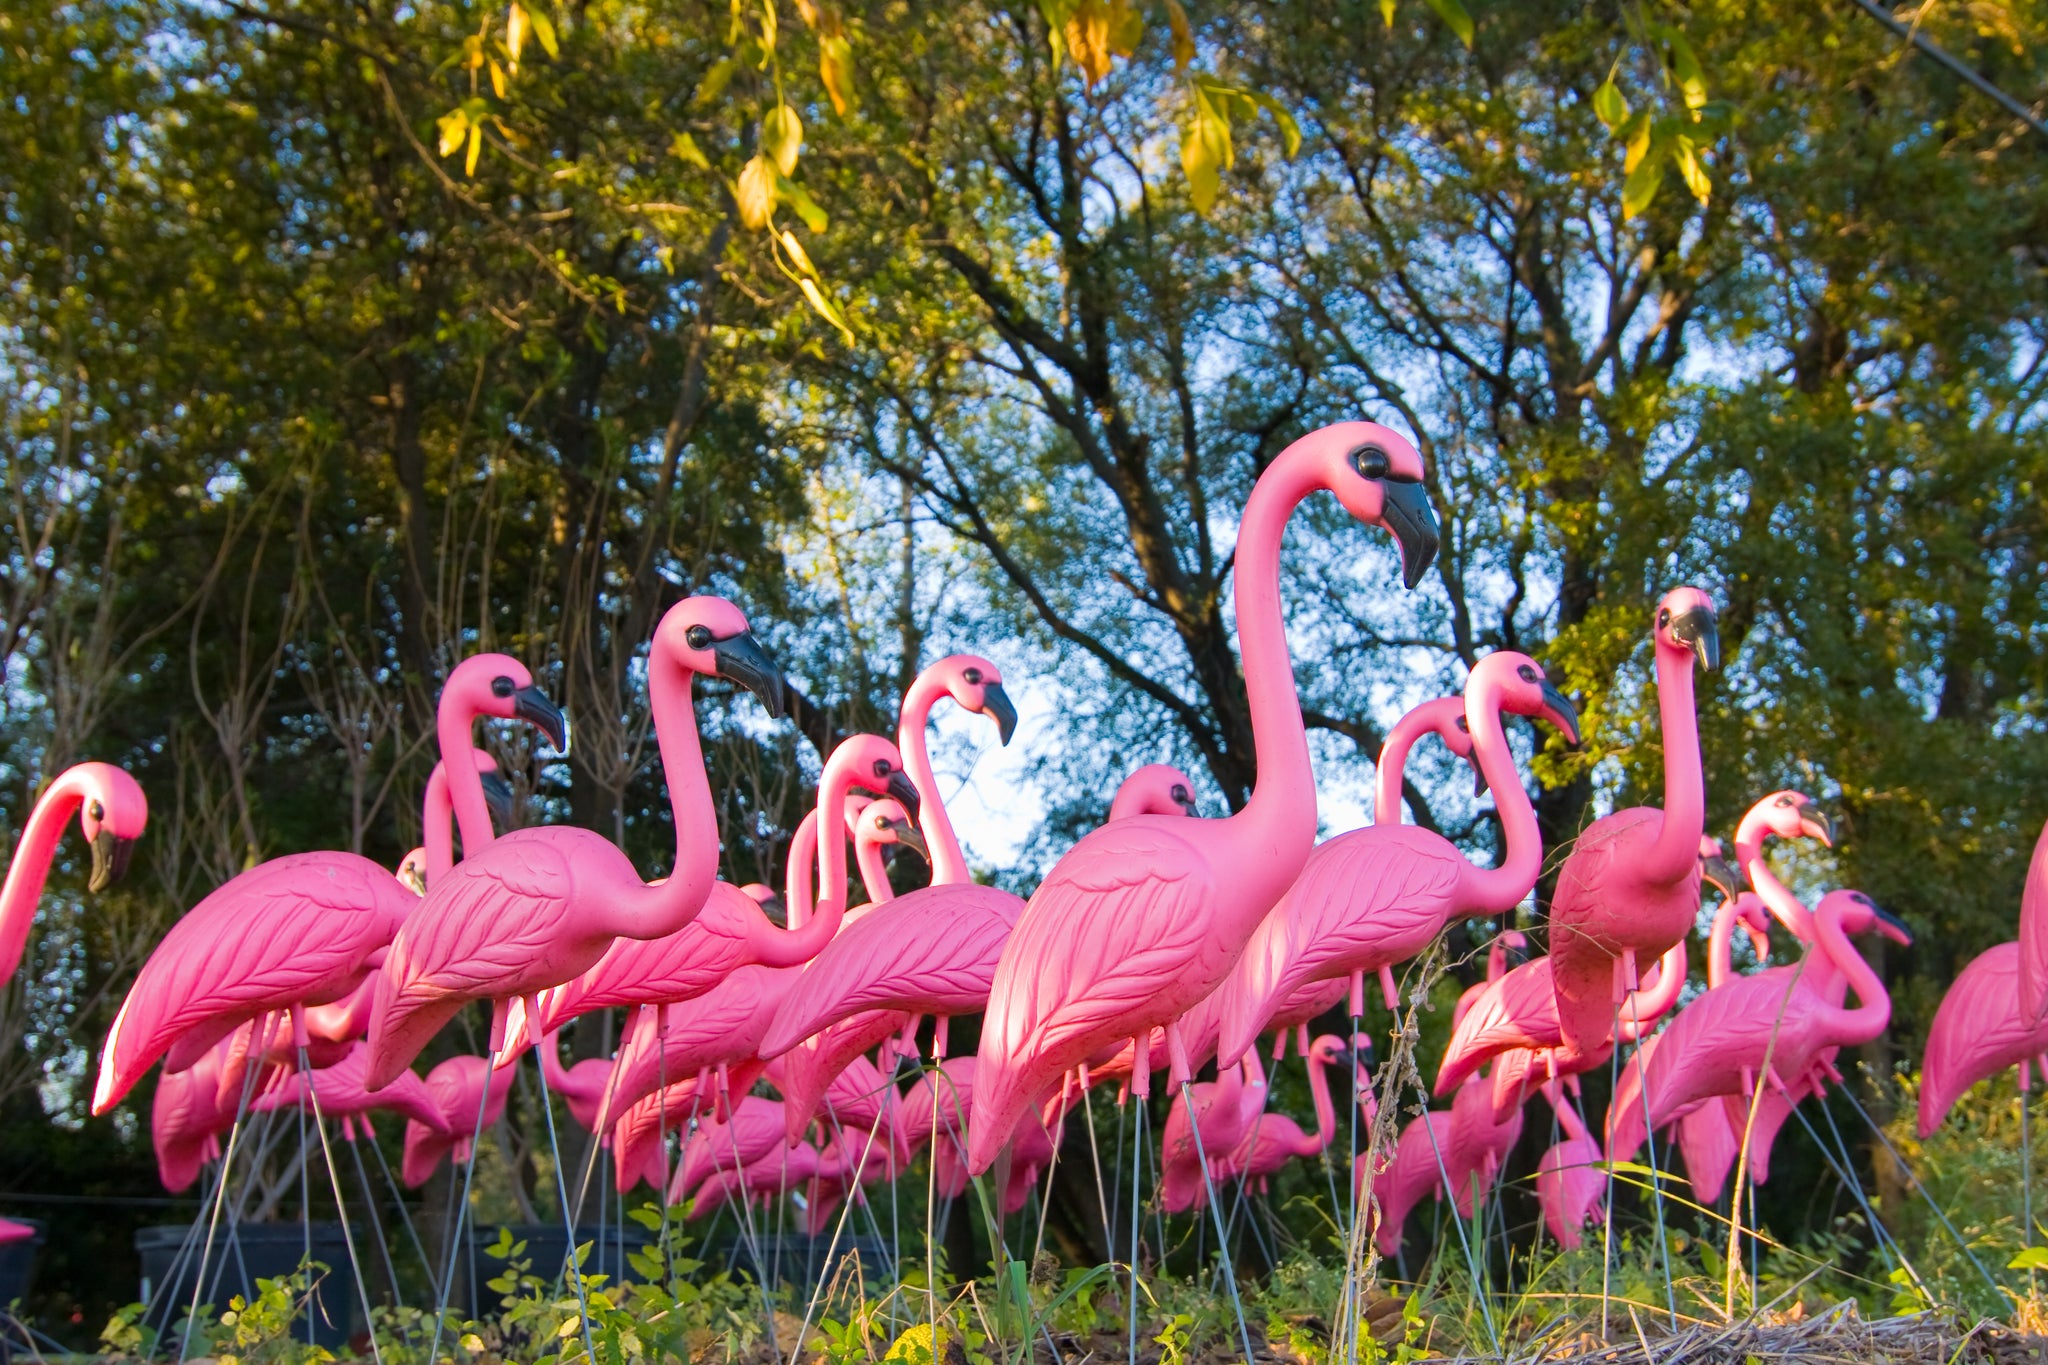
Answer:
[(1687, 624), (884, 821), (1328, 1050), (1715, 869), (708, 635), (768, 898), (1856, 913), (873, 764), (977, 685), (412, 870), (1155, 789), (1518, 684), (1755, 918), (1377, 474), (499, 685), (1793, 815), (111, 814)]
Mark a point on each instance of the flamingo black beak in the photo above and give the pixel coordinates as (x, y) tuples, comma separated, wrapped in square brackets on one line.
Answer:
[(1559, 711), (1815, 823), (1892, 927), (1697, 628), (500, 797), (1405, 510), (996, 705), (537, 709), (110, 854), (908, 836), (1183, 798), (742, 660), (906, 793), (1722, 875)]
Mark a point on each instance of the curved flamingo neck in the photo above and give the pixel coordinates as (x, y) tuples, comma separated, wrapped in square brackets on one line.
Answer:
[(1388, 774), (1785, 907), (657, 909), (874, 874), (1676, 853), (1326, 1111), (437, 823), (455, 728), (1720, 944), (1567, 1116), (1279, 819), (949, 864), (1501, 888), (1642, 1008), (30, 868), (1873, 1008), (798, 887), (834, 784)]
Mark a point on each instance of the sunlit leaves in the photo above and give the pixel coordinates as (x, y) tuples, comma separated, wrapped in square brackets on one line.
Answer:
[(754, 193), (1206, 150), (1095, 32), (1609, 106), (1657, 143), (1183, 37), (1454, 15), (463, 126), (782, 134)]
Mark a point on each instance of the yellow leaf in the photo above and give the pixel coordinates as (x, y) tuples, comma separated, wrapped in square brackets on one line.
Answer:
[(1088, 39), (516, 30), (1637, 131), (826, 309), (1387, 12), (809, 12), (770, 26), (683, 147), (476, 147), (782, 133), (497, 79), (1205, 153), (454, 126), (797, 253), (835, 69), (1183, 36), (472, 1343), (715, 80), (544, 29), (755, 193), (1695, 174)]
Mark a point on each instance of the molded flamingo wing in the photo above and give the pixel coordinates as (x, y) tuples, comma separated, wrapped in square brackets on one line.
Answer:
[(1705, 1050), (1517, 1011), (720, 1027), (479, 935), (813, 1078), (931, 951), (673, 968), (1093, 957), (1978, 1031), (1570, 1184), (295, 930), (1709, 1143), (2034, 933), (1372, 897)]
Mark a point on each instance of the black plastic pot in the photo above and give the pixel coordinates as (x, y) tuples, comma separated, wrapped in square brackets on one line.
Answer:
[(243, 1253), (17, 1271)]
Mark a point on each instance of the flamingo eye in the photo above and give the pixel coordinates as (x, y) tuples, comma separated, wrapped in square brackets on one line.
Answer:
[(97, 811), (1371, 462), (698, 637), (1663, 617), (881, 822), (1784, 800), (972, 676), (881, 767), (1527, 673), (1464, 726), (502, 686), (1179, 794)]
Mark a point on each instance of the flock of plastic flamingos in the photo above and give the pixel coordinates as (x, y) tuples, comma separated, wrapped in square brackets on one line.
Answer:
[(1163, 939)]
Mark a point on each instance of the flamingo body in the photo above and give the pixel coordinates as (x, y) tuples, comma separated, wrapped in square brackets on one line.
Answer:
[(1980, 1029)]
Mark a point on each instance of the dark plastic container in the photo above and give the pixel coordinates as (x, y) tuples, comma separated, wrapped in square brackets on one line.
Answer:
[(242, 1254)]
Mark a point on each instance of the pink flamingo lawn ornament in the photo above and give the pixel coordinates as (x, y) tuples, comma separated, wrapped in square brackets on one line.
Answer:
[(929, 951), (1463, 1149), (1631, 885), (751, 1132), (11, 1231), (1707, 1137), (539, 907), (1144, 917), (342, 1094), (467, 1108), (111, 814), (2033, 936), (301, 930), (723, 1028), (1979, 1030), (186, 1120), (1762, 1029), (1571, 1178), (1213, 1116), (1379, 895), (937, 1109), (1275, 1139)]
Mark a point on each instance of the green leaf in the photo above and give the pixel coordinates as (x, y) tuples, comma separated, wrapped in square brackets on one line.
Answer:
[(1685, 68), (782, 134), (1455, 18), (1290, 131), (1640, 189), (2033, 1258), (1689, 166), (544, 28), (683, 147), (1609, 106), (715, 80), (799, 198)]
